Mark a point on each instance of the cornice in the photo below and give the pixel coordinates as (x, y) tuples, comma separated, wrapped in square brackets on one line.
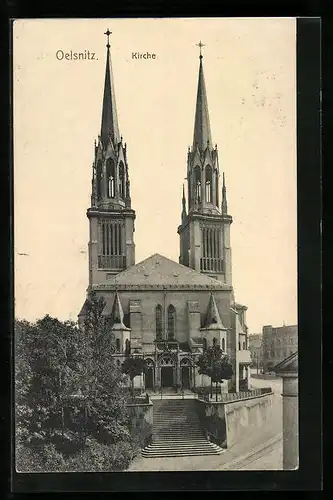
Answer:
[(106, 212), (149, 287)]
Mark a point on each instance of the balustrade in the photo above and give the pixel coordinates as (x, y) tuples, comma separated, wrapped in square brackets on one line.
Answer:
[(111, 261), (211, 264)]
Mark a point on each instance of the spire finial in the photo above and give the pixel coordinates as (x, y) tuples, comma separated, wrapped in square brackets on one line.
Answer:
[(184, 201), (108, 33), (224, 197), (200, 45)]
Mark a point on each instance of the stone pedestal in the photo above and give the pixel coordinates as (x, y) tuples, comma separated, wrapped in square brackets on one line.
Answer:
[(290, 421), (288, 370)]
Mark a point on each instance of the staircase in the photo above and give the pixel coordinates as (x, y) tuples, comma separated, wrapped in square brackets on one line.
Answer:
[(177, 431)]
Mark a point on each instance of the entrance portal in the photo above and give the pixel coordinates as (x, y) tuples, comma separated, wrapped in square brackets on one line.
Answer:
[(167, 376), (149, 378), (186, 377)]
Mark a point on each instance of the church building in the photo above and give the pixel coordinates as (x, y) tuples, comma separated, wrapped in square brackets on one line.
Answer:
[(167, 312)]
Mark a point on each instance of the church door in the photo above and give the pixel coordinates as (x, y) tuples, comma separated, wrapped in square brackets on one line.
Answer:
[(149, 378), (167, 376), (186, 377)]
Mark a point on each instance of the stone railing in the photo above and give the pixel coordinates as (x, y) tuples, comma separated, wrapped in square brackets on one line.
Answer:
[(226, 397), (111, 261), (211, 264)]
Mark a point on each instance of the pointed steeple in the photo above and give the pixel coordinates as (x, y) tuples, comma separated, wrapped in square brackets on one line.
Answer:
[(202, 135), (213, 320), (184, 201), (224, 206), (117, 312), (109, 126)]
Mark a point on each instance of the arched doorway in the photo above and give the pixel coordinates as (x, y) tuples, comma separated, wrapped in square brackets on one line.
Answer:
[(185, 367), (167, 371), (149, 374)]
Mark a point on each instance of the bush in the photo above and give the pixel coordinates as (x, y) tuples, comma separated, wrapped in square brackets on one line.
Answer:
[(43, 458), (96, 457)]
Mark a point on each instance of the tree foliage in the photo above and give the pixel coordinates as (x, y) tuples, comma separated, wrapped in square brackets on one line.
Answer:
[(68, 389), (133, 366), (214, 363)]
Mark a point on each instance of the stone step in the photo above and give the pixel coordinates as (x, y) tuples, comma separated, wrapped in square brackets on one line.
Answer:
[(179, 446), (174, 435), (177, 423), (173, 431), (170, 454)]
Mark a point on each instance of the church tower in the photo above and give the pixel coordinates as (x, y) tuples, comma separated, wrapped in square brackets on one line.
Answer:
[(111, 218), (205, 224)]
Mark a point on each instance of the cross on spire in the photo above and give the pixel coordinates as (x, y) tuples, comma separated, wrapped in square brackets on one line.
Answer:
[(108, 33), (200, 45)]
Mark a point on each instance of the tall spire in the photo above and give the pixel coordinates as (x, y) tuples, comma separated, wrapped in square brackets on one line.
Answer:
[(109, 126), (184, 200), (202, 134), (224, 206)]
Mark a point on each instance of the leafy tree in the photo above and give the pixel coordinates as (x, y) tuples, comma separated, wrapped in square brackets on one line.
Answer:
[(133, 366), (43, 356), (214, 363), (69, 389)]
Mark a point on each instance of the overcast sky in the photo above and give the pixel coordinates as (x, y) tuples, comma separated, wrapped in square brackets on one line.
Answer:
[(249, 67)]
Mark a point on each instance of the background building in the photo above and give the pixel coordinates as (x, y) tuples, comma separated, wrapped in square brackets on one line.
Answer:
[(255, 347), (278, 343)]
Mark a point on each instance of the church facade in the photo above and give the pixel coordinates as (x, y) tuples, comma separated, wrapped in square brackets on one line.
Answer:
[(167, 312)]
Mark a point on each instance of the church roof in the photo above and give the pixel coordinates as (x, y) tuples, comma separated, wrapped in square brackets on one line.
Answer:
[(158, 271), (109, 126), (202, 133)]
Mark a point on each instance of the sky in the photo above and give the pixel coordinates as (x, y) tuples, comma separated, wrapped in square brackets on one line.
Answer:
[(250, 74)]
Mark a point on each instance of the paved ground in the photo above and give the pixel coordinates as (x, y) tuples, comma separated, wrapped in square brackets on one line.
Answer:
[(261, 450)]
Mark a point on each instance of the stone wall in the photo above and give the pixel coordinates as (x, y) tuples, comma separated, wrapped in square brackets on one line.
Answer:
[(143, 321), (244, 416), (227, 423), (141, 417)]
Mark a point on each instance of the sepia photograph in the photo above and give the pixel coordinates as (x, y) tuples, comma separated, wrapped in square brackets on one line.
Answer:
[(155, 244)]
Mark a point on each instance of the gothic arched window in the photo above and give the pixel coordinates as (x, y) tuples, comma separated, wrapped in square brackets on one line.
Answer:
[(197, 184), (121, 180), (171, 322), (209, 184), (99, 172), (204, 344), (158, 318), (110, 178), (223, 345)]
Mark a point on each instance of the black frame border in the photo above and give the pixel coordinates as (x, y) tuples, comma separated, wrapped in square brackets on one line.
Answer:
[(309, 475)]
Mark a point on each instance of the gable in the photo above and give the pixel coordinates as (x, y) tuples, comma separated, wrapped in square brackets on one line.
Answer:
[(159, 271)]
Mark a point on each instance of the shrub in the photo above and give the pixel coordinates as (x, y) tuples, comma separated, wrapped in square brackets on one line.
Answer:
[(44, 458), (96, 457)]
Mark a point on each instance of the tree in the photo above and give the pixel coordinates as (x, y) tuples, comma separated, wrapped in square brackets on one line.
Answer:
[(133, 366), (215, 364), (43, 353), (69, 390)]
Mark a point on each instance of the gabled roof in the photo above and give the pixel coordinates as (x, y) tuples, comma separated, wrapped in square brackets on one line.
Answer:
[(288, 365), (83, 308), (159, 271), (213, 319)]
